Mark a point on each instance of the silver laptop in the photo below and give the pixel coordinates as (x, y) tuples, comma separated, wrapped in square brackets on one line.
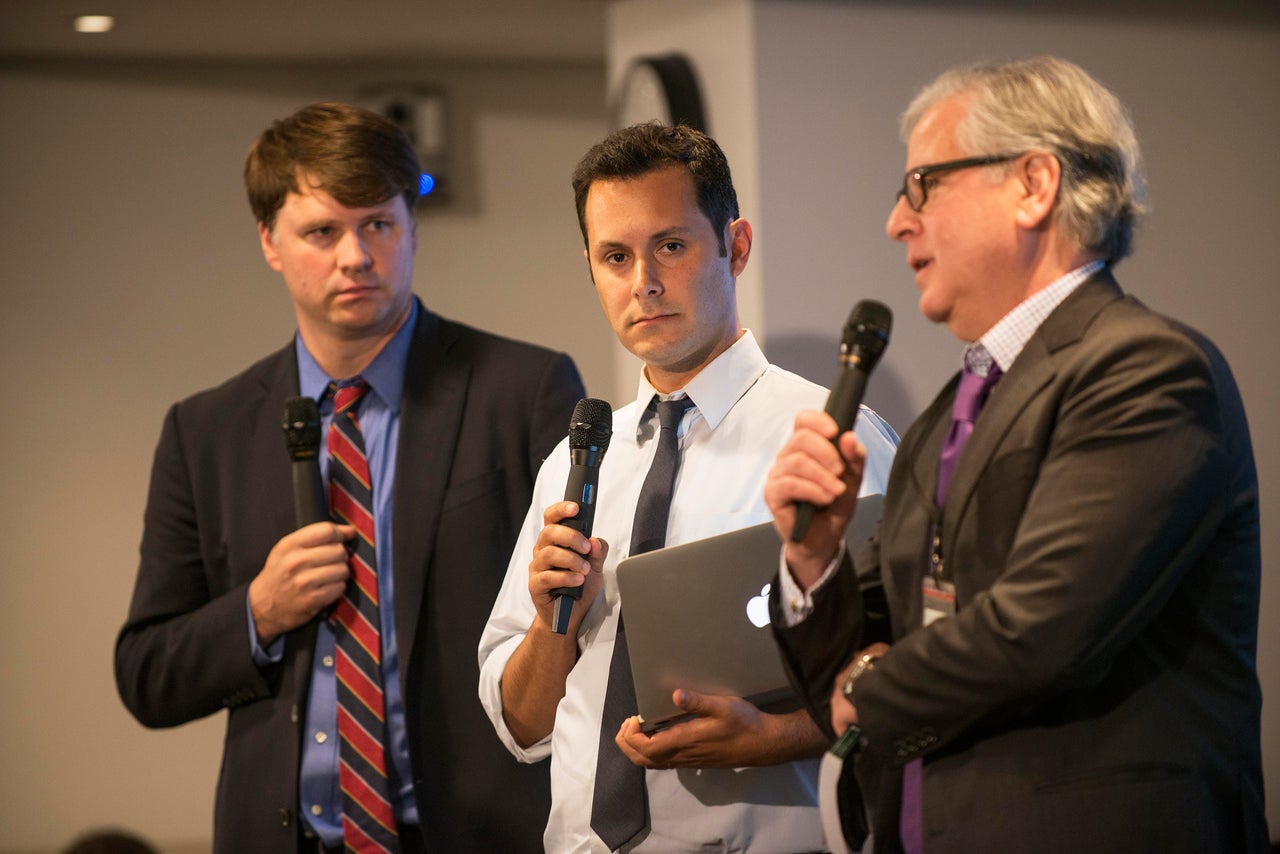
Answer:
[(697, 617)]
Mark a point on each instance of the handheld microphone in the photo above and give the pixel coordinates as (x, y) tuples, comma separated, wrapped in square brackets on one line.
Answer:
[(866, 334), (590, 430), (302, 437)]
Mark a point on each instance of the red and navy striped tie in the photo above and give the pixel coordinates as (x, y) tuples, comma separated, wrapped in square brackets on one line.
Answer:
[(368, 822)]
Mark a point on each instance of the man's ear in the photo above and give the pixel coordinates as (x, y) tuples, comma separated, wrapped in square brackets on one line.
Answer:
[(738, 239), (1040, 174), (269, 250)]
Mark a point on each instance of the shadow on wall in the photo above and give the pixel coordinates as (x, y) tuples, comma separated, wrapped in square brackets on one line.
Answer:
[(816, 358)]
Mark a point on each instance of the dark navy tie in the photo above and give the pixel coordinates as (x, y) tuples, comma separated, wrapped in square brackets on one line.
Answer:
[(620, 802)]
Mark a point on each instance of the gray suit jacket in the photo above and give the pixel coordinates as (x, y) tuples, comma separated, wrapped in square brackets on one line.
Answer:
[(1096, 690), (479, 415)]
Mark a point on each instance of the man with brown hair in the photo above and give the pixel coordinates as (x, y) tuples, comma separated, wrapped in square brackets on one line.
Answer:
[(664, 245), (236, 609)]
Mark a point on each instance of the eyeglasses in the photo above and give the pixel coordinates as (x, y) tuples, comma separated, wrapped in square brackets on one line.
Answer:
[(915, 189)]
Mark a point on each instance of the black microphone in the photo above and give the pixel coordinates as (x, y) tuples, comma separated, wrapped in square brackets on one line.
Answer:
[(590, 430), (866, 334), (302, 437)]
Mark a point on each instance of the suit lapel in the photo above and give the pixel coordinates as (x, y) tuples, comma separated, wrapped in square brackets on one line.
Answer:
[(435, 387), (1031, 372), (925, 456)]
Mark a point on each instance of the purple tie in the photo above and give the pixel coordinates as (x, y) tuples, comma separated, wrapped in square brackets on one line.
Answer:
[(970, 396)]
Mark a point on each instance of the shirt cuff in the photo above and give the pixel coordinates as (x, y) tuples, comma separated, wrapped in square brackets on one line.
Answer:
[(274, 653), (797, 604)]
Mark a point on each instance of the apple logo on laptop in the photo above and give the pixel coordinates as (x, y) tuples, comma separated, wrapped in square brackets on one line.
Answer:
[(758, 608)]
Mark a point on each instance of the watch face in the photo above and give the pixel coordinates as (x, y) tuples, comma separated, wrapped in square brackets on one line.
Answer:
[(861, 666), (662, 88)]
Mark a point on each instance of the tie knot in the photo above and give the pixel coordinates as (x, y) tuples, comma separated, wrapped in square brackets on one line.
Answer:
[(671, 411), (972, 392), (345, 397)]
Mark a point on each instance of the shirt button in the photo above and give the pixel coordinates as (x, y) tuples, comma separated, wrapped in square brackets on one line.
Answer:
[(328, 661), (321, 738), (316, 809)]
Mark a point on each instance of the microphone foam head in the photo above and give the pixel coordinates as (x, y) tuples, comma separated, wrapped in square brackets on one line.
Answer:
[(591, 424), (866, 333), (301, 428)]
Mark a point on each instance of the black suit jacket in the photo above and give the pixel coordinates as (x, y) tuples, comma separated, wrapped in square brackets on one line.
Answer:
[(479, 415), (1096, 690)]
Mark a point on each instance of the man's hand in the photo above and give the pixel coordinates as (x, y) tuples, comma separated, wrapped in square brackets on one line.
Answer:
[(534, 679), (305, 573), (728, 732), (843, 712), (810, 467), (562, 557)]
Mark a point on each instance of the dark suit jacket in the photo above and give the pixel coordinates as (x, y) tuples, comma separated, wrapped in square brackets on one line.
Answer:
[(479, 415), (1096, 690)]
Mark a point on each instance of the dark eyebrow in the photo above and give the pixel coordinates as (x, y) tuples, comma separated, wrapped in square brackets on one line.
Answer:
[(671, 232), (605, 247)]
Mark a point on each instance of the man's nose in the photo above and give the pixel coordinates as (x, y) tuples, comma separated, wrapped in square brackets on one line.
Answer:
[(645, 281), (353, 255), (902, 219)]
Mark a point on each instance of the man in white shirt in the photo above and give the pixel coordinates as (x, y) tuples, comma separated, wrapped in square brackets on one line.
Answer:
[(664, 244)]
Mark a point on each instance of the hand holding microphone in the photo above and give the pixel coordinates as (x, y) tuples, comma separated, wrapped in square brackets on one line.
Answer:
[(590, 430), (302, 438), (306, 570), (866, 334)]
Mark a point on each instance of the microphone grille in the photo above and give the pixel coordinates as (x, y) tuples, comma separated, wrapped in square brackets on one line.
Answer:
[(591, 424), (866, 333), (301, 428)]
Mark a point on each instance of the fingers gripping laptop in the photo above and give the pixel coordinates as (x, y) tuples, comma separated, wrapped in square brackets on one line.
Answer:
[(714, 637)]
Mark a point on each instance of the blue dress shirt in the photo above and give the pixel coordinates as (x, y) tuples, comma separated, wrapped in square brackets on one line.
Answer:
[(320, 797)]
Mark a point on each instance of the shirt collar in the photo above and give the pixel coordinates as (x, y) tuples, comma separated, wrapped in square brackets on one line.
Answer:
[(714, 389), (385, 374), (1003, 342)]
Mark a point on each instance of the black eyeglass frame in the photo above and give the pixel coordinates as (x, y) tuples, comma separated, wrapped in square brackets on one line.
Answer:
[(920, 173)]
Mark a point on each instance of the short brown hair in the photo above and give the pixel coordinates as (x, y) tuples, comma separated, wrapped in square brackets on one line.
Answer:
[(357, 156)]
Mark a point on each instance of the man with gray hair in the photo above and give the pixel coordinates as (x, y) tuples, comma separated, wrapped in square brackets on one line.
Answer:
[(1049, 645)]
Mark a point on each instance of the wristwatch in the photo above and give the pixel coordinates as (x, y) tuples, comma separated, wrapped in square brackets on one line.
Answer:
[(861, 666)]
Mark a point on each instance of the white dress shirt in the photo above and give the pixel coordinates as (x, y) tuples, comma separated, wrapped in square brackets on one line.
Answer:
[(744, 409)]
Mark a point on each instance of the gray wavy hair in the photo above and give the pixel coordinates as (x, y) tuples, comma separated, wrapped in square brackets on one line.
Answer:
[(1049, 104)]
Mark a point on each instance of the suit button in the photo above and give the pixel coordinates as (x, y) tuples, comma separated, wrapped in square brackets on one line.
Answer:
[(286, 816)]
